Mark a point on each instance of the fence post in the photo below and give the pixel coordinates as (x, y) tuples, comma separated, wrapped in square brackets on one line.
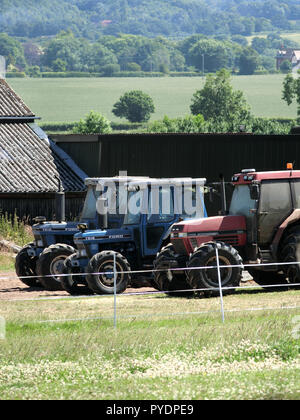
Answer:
[(115, 292), (220, 284)]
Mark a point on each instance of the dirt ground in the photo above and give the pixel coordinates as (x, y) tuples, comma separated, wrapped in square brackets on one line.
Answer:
[(11, 288)]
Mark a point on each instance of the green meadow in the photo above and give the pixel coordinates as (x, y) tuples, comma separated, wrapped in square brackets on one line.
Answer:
[(69, 99), (161, 348)]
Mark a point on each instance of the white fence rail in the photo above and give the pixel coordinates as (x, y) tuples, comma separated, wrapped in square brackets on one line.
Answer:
[(220, 289)]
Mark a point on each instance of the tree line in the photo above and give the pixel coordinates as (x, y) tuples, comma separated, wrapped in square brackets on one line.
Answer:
[(110, 55), (217, 107), (151, 18)]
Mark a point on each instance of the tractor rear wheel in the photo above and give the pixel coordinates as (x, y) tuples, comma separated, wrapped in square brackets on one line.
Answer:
[(26, 266), (170, 282), (207, 278), (100, 278), (266, 278), (74, 285), (50, 264), (290, 253)]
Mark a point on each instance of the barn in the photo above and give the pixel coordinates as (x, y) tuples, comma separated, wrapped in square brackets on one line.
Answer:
[(32, 167), (176, 155)]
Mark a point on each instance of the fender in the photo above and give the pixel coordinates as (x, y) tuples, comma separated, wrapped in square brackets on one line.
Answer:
[(293, 217)]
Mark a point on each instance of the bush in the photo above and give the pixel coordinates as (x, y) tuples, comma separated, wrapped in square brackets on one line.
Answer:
[(135, 106), (93, 123), (18, 74), (57, 126), (12, 229)]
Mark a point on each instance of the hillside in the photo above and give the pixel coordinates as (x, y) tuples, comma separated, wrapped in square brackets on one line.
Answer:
[(172, 18)]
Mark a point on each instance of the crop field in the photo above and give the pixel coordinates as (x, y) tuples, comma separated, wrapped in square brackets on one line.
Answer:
[(161, 348), (57, 100), (292, 36)]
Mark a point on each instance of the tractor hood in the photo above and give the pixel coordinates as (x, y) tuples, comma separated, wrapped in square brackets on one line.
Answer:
[(105, 234), (215, 225), (55, 226), (193, 233)]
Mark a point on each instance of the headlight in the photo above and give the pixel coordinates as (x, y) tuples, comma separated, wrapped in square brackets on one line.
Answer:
[(82, 226), (82, 253)]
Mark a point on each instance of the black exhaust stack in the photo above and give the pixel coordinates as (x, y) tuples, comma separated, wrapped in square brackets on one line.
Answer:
[(223, 195), (102, 213), (60, 204)]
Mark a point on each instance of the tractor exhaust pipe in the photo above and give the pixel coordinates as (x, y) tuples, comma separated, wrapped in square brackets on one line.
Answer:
[(60, 211), (60, 204), (223, 195), (102, 213)]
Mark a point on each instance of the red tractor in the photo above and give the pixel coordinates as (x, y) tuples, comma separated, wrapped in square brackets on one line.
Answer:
[(261, 226)]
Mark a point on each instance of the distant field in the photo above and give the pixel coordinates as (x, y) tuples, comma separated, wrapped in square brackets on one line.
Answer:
[(70, 99), (293, 36)]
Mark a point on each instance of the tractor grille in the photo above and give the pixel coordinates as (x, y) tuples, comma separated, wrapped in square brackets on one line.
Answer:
[(193, 242), (230, 240), (179, 247)]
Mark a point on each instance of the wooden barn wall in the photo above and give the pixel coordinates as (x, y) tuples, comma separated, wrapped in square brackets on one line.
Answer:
[(196, 155), (175, 155), (28, 206)]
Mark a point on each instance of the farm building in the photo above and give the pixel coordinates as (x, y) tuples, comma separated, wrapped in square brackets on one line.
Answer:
[(176, 155), (32, 167), (289, 54)]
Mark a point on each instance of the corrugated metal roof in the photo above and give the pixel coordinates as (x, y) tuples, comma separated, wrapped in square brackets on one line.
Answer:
[(29, 164), (11, 105)]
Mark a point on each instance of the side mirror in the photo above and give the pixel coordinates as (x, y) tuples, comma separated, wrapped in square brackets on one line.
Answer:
[(254, 192)]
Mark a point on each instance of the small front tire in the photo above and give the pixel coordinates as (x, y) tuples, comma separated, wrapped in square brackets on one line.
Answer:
[(100, 269), (206, 279)]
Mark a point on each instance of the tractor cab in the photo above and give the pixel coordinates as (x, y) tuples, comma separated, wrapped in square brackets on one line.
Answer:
[(145, 208)]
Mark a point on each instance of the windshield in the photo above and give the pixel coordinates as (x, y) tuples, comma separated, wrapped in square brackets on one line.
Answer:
[(89, 210), (134, 207), (241, 202), (89, 206)]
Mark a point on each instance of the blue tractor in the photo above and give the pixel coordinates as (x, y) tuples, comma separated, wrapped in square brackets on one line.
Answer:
[(151, 206), (40, 262)]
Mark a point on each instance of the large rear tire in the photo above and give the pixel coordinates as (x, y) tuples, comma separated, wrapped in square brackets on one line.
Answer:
[(290, 253), (207, 278), (25, 266), (50, 265), (266, 279), (103, 263), (166, 280)]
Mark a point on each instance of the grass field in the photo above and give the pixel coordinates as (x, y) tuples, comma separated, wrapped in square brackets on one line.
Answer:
[(162, 348), (71, 99), (293, 36)]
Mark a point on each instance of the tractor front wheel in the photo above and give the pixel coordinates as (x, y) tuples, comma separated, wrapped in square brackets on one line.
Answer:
[(100, 269), (71, 281), (50, 265), (206, 278), (170, 281)]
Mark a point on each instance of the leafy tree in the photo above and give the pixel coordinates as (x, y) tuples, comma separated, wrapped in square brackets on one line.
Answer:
[(249, 61), (218, 102), (286, 66), (134, 105), (12, 50), (213, 54), (291, 92), (59, 65), (93, 123)]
